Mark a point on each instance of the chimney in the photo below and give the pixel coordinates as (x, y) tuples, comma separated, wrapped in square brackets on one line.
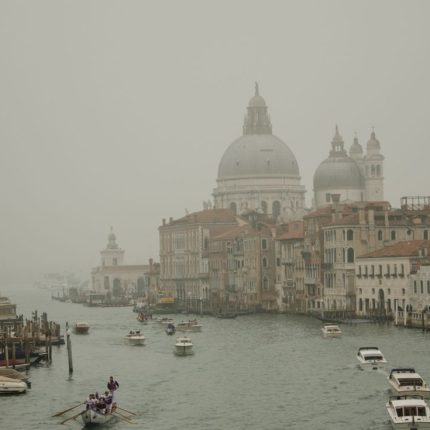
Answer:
[(164, 221)]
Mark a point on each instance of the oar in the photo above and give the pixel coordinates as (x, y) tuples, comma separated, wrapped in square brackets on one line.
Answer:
[(125, 410), (123, 417), (66, 410), (71, 418)]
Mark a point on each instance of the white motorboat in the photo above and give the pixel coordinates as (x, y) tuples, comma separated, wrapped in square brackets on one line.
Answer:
[(135, 337), (408, 412), (331, 330), (191, 325), (370, 357), (92, 417), (183, 346), (81, 327), (405, 381), (165, 320), (12, 386)]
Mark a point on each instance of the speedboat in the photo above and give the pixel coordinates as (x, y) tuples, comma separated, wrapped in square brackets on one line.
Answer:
[(12, 386), (165, 320), (408, 412), (135, 337), (183, 346), (191, 325), (81, 327), (405, 381), (331, 330), (370, 357)]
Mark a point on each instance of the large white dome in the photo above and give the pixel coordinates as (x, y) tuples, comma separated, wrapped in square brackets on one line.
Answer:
[(258, 155)]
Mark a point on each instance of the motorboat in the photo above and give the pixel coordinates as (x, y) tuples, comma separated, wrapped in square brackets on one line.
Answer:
[(408, 412), (370, 357), (92, 417), (331, 330), (165, 320), (183, 346), (191, 325), (14, 374), (135, 337), (406, 381), (81, 327), (12, 386), (170, 329)]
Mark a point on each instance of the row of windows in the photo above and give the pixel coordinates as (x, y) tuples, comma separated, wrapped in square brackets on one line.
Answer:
[(390, 270)]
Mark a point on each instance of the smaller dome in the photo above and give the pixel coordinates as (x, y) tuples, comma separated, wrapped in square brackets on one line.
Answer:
[(257, 101), (373, 142)]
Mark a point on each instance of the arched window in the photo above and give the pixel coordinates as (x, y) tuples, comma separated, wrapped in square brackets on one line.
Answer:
[(276, 209), (233, 207), (393, 235), (264, 207), (350, 255), (360, 305), (265, 283), (426, 234), (349, 235), (264, 262), (379, 234)]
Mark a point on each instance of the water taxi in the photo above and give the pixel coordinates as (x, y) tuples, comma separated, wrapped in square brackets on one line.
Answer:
[(331, 330), (406, 381), (370, 357), (408, 412), (81, 327), (183, 346), (191, 325), (135, 337)]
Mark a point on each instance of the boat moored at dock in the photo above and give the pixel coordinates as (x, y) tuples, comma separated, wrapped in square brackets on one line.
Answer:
[(12, 386)]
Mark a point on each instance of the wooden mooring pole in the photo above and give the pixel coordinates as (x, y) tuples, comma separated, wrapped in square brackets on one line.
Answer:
[(69, 349)]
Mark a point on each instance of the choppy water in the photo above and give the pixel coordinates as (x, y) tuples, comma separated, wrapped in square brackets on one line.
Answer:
[(266, 372)]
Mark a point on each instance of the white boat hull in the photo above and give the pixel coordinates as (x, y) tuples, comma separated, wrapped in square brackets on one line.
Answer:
[(183, 350), (12, 386), (135, 340), (417, 423), (91, 417)]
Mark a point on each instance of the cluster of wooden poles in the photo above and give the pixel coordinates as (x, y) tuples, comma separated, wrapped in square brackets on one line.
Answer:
[(28, 336)]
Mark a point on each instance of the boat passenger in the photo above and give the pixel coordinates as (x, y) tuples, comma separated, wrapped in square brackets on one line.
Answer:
[(112, 386), (108, 401)]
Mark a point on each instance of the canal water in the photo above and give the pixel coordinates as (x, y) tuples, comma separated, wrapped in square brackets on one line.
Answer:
[(255, 372)]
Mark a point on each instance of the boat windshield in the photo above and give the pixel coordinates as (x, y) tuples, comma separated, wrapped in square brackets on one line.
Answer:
[(373, 357), (416, 382)]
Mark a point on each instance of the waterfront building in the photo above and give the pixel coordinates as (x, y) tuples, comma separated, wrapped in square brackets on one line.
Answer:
[(354, 177), (113, 278), (242, 267), (258, 171), (290, 268), (394, 277), (184, 247)]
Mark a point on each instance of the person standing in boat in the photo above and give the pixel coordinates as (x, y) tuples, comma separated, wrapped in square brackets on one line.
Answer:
[(112, 385)]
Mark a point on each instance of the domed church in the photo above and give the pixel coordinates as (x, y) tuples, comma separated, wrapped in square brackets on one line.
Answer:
[(258, 171), (354, 177)]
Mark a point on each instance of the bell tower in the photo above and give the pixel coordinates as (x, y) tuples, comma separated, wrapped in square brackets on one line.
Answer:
[(373, 170), (112, 255)]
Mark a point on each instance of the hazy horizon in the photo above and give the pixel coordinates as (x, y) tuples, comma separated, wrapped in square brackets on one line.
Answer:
[(117, 113)]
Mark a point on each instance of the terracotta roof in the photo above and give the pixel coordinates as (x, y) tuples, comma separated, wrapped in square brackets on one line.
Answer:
[(295, 231), (209, 216), (400, 249)]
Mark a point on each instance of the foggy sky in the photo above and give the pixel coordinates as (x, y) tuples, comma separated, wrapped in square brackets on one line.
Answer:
[(118, 112)]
